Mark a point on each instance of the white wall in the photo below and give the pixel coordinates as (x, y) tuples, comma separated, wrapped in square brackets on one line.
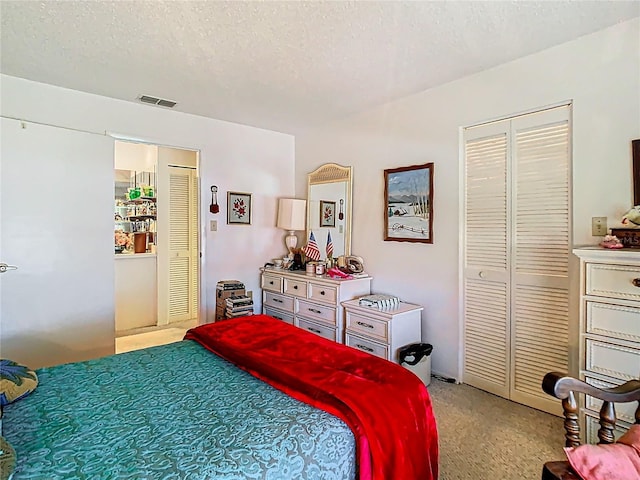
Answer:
[(600, 73), (233, 157)]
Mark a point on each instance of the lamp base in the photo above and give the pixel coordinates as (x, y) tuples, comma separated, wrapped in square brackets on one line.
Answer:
[(291, 241)]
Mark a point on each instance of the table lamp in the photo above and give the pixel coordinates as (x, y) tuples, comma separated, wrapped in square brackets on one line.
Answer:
[(291, 217)]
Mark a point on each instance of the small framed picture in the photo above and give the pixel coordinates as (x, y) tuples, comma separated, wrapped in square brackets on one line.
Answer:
[(327, 213), (238, 208)]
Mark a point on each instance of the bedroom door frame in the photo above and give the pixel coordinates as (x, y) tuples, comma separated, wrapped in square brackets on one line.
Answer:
[(202, 281)]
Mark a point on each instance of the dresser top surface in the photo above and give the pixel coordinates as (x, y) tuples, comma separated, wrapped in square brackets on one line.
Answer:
[(303, 275), (402, 307)]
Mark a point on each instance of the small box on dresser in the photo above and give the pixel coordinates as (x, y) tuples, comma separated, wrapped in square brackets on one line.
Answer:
[(382, 331), (609, 329)]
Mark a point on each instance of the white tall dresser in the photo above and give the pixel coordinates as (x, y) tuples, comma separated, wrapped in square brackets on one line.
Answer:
[(609, 328)]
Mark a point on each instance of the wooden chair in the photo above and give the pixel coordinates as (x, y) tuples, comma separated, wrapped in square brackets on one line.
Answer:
[(565, 388)]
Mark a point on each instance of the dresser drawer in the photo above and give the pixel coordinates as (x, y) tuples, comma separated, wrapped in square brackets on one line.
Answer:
[(275, 313), (624, 411), (278, 301), (617, 361), (321, 330), (322, 293), (296, 288), (321, 313), (272, 283), (369, 327), (617, 321), (613, 281), (368, 346), (592, 426)]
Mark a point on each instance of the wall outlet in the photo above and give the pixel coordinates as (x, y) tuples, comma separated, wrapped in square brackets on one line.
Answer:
[(598, 226), (213, 225)]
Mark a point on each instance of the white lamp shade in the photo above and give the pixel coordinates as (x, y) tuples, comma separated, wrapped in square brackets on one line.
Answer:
[(292, 214)]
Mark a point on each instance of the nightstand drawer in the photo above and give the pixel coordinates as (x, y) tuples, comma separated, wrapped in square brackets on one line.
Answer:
[(321, 330), (617, 361), (272, 283), (617, 321), (318, 312), (279, 301), (614, 281), (368, 346), (322, 293), (275, 313), (369, 327), (296, 288)]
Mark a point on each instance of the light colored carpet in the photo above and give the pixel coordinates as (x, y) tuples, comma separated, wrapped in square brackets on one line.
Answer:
[(149, 339), (483, 436)]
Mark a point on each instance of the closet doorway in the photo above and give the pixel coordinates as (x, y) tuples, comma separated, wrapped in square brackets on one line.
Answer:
[(156, 278), (515, 254)]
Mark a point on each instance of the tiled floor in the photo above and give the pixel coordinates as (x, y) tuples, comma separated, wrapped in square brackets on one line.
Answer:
[(151, 337)]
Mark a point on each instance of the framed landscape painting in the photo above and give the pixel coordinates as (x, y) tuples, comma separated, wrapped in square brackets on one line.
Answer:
[(408, 197), (238, 208)]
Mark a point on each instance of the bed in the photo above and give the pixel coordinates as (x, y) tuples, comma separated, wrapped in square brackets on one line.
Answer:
[(241, 399)]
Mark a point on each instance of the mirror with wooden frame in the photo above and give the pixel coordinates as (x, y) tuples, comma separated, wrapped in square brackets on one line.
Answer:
[(329, 208)]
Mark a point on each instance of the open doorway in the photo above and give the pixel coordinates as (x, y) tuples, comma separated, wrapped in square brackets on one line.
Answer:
[(156, 233)]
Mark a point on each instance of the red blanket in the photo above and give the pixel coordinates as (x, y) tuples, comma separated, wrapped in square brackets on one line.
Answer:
[(386, 406)]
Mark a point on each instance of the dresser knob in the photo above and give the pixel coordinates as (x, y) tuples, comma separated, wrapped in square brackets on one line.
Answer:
[(482, 275), (636, 282)]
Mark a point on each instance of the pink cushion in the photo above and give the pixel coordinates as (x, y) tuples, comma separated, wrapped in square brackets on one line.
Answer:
[(618, 461)]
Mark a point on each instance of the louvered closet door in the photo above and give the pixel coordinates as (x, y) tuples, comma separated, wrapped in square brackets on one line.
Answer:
[(516, 252), (486, 260), (540, 275), (183, 245)]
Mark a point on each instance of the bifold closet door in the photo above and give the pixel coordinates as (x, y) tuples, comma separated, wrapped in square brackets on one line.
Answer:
[(486, 259), (516, 250), (178, 290)]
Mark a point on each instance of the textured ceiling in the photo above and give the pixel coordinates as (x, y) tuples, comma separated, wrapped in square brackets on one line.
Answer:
[(283, 66)]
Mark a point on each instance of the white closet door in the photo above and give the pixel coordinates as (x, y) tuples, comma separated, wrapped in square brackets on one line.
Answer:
[(179, 293), (516, 254), (56, 198), (486, 260), (540, 281)]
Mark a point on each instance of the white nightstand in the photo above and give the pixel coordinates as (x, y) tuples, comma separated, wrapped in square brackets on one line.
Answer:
[(382, 332)]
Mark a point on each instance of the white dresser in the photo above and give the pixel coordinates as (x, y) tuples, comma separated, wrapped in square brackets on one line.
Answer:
[(309, 301), (382, 332), (609, 328)]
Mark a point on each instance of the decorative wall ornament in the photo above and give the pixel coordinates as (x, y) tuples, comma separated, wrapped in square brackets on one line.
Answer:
[(214, 208)]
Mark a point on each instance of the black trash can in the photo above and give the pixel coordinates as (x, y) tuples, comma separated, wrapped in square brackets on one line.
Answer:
[(416, 358)]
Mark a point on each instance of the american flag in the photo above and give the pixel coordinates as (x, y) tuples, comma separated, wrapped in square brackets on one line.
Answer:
[(311, 249), (329, 245)]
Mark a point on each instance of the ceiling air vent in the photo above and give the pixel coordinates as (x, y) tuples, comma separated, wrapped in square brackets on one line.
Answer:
[(157, 101)]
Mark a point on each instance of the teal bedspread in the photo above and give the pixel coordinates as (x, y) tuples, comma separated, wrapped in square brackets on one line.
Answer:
[(171, 412)]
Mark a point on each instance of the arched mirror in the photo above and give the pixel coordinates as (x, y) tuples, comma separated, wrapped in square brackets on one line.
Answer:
[(329, 208)]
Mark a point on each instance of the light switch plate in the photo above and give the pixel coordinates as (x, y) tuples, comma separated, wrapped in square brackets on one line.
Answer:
[(598, 226), (213, 225)]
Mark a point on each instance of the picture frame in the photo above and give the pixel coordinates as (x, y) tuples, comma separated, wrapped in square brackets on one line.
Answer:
[(408, 204), (635, 154), (238, 208), (327, 213)]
